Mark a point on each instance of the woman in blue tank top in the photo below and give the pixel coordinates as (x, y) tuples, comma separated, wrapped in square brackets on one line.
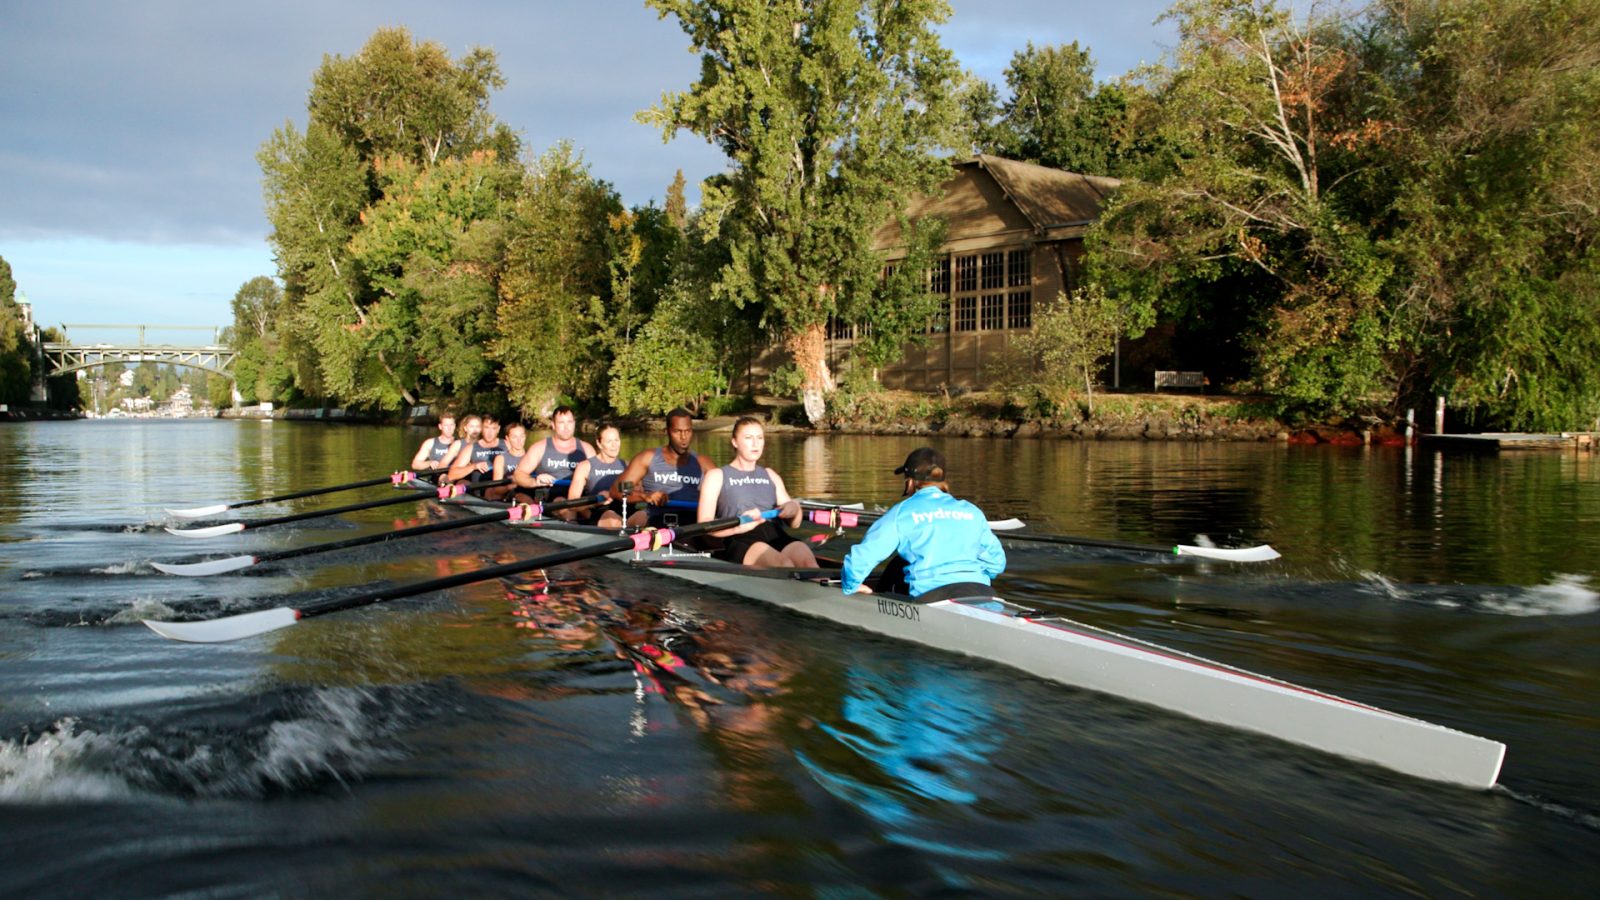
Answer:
[(745, 486), (596, 474)]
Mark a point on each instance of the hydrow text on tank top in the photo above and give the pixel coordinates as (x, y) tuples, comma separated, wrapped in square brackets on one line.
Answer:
[(680, 482), (745, 490), (480, 453), (439, 448), (602, 474), (556, 464)]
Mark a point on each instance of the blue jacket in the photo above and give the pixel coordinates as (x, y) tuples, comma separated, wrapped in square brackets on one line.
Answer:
[(943, 541)]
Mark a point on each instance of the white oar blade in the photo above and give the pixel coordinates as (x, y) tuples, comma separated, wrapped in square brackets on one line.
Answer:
[(1006, 524), (1262, 553), (198, 512), (209, 567), (232, 628), (210, 531)]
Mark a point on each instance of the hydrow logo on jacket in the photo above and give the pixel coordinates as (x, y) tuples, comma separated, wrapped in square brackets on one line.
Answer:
[(943, 541)]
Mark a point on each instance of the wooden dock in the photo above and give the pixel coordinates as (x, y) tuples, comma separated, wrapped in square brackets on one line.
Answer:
[(1508, 442)]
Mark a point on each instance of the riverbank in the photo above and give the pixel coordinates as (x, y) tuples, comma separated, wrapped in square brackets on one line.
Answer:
[(1113, 417)]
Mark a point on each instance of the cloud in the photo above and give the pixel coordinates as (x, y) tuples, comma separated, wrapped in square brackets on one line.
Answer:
[(139, 122)]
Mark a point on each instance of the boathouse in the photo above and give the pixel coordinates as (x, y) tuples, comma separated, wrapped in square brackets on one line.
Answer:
[(1013, 241)]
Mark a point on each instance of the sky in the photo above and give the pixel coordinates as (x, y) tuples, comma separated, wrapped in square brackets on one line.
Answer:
[(129, 188)]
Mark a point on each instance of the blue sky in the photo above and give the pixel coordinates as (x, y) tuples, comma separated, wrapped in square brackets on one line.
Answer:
[(129, 190)]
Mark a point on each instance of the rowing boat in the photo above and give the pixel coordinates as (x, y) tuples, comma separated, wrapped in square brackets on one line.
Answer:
[(1072, 653)]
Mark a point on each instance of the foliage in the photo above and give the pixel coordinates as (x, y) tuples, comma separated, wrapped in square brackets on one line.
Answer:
[(1055, 115), (1389, 204), (382, 122), (673, 363), (553, 285), (897, 310), (1059, 356), (831, 114), (16, 349)]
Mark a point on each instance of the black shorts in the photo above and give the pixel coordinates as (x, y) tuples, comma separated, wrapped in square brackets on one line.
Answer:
[(768, 532)]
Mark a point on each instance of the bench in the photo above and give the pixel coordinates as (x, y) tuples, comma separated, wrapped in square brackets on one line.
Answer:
[(1196, 380)]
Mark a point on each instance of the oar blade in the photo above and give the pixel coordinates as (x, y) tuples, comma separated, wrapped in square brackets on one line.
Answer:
[(231, 628), (1261, 553), (199, 512), (208, 532), (1006, 524), (208, 567)]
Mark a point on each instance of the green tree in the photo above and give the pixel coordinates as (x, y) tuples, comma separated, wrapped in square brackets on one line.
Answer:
[(1238, 205), (396, 100), (832, 114), (1487, 176), (671, 364), (16, 348), (1060, 355), (555, 269)]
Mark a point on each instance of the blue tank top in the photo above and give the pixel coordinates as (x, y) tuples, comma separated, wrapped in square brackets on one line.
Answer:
[(556, 464), (439, 448), (745, 490), (680, 482), (602, 474), (480, 453)]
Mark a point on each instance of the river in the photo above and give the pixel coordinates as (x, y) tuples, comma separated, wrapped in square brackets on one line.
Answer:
[(501, 738)]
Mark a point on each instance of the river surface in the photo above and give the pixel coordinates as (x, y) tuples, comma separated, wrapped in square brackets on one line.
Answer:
[(510, 737)]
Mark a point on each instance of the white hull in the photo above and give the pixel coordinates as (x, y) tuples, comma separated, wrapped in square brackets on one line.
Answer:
[(1083, 656)]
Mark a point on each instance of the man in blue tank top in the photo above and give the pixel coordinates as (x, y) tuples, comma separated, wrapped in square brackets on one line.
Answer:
[(666, 480), (948, 548), (552, 458), (435, 451)]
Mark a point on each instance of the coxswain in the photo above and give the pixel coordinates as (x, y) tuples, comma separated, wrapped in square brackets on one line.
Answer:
[(553, 458), (475, 461), (669, 474), (516, 441), (435, 451), (596, 474), (745, 487), (946, 544)]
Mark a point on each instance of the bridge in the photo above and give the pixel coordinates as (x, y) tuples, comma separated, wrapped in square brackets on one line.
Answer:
[(66, 357)]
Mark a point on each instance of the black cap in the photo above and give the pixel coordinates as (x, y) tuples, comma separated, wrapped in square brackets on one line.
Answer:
[(924, 464)]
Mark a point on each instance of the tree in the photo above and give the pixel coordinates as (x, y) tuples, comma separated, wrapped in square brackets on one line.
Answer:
[(1238, 204), (1055, 116), (832, 114), (1488, 183), (1069, 338), (16, 348), (672, 364), (396, 100), (555, 265)]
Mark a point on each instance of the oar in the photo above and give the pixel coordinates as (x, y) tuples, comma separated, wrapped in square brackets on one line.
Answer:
[(231, 628), (845, 517), (410, 496), (515, 513), (200, 512)]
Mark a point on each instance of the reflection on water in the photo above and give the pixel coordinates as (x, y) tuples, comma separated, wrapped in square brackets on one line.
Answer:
[(591, 729)]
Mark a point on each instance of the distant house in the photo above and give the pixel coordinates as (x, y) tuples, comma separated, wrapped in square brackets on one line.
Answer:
[(1013, 238)]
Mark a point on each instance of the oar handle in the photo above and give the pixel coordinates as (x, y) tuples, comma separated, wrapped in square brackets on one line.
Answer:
[(646, 539)]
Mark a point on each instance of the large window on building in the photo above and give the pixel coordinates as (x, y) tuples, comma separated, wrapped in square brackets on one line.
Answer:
[(992, 290)]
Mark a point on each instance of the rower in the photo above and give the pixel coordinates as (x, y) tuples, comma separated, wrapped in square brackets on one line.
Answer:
[(946, 544), (475, 462), (744, 486), (435, 451), (597, 473), (516, 441), (553, 458), (665, 474)]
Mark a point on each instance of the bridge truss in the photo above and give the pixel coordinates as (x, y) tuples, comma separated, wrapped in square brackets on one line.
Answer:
[(66, 357)]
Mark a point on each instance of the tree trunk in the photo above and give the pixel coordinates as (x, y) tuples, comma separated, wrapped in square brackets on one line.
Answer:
[(808, 348)]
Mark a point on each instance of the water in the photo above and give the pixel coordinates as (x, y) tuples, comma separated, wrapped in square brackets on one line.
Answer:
[(529, 737)]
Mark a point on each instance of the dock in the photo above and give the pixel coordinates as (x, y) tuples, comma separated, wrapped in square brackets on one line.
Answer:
[(1511, 442)]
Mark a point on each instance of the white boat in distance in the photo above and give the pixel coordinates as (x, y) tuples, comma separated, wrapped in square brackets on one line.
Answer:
[(1083, 656)]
